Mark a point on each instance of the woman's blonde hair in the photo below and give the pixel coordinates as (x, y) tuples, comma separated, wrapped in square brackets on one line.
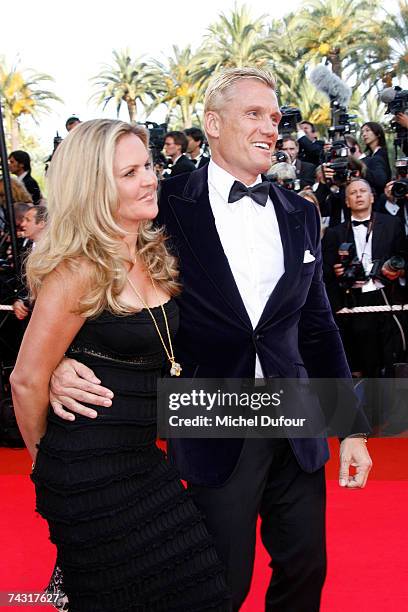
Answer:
[(82, 206), (18, 192)]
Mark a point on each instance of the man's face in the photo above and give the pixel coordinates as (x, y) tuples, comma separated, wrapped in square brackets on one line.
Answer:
[(171, 149), (31, 229), (242, 133), (308, 130), (72, 125), (291, 149), (15, 167), (359, 198), (193, 145)]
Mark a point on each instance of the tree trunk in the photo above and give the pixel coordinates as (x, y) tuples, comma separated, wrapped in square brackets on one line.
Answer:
[(334, 57), (131, 104), (15, 135)]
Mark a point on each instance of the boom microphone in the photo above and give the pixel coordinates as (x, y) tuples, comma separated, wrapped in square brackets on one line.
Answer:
[(388, 94), (331, 85)]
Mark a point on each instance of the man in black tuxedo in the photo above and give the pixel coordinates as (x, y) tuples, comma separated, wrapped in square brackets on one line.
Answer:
[(305, 171), (369, 339), (310, 147), (175, 147), (253, 305), (20, 165), (195, 148)]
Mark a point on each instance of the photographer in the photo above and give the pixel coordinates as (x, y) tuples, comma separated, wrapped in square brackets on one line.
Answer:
[(361, 269), (378, 166), (339, 168), (284, 174), (305, 171), (32, 226), (310, 147)]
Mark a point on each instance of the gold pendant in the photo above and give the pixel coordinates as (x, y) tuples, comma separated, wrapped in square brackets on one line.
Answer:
[(175, 369)]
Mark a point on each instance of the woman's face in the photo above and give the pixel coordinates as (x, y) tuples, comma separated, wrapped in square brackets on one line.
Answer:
[(370, 139), (136, 182)]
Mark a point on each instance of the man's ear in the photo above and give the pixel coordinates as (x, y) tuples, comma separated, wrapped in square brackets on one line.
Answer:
[(212, 124)]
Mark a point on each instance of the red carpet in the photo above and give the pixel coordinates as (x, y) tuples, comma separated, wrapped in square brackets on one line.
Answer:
[(367, 536)]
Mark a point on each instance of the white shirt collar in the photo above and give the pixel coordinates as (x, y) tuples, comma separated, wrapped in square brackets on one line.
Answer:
[(365, 218), (23, 176), (222, 181)]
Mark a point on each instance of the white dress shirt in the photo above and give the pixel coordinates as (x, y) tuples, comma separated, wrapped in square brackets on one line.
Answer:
[(250, 237), (364, 253)]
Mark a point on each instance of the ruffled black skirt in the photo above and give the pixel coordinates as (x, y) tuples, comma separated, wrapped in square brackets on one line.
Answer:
[(128, 535)]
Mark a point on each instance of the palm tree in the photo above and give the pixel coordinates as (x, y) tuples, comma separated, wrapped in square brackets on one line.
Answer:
[(395, 36), (22, 95), (235, 40), (174, 84), (335, 30), (125, 80)]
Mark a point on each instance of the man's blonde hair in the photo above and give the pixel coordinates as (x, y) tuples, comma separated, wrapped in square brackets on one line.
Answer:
[(83, 204), (222, 82)]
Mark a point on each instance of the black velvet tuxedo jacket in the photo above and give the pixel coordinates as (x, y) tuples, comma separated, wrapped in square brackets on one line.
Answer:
[(296, 335)]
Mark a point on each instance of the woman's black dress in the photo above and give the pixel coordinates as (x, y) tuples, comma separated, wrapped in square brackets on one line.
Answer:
[(127, 533)]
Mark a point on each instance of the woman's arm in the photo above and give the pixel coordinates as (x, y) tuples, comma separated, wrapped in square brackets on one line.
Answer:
[(52, 327)]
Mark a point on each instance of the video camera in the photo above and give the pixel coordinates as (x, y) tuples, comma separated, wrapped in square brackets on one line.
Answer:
[(291, 116), (396, 100), (338, 159), (400, 187), (157, 132), (341, 123)]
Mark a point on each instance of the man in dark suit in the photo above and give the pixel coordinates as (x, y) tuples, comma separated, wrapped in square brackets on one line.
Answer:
[(20, 165), (305, 171), (310, 147), (175, 147), (195, 148), (253, 305), (369, 338)]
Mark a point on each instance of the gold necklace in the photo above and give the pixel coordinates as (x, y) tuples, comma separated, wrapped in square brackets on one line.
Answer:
[(176, 368)]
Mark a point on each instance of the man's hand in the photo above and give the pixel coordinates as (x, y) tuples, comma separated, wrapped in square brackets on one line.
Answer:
[(338, 269), (402, 119), (20, 310), (353, 452), (73, 382)]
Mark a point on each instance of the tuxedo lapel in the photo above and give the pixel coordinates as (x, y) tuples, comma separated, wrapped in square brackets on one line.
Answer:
[(291, 221), (195, 219), (378, 231)]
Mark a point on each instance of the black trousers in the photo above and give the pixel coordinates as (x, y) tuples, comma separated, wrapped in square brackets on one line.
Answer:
[(269, 482)]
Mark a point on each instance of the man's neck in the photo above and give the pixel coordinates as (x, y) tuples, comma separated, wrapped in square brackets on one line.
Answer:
[(361, 215), (196, 153), (244, 177), (174, 158)]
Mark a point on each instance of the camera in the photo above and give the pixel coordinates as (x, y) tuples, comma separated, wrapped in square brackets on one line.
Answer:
[(400, 189), (395, 265), (291, 184), (353, 267), (340, 121), (157, 132), (399, 103), (337, 158), (291, 116)]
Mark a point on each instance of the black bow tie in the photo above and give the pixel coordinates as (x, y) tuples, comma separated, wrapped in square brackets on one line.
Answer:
[(258, 193), (357, 223)]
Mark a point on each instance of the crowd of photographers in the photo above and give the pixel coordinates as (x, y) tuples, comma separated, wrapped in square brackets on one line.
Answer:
[(362, 203)]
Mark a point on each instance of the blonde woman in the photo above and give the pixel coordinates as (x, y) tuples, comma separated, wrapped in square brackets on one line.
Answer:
[(127, 535)]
